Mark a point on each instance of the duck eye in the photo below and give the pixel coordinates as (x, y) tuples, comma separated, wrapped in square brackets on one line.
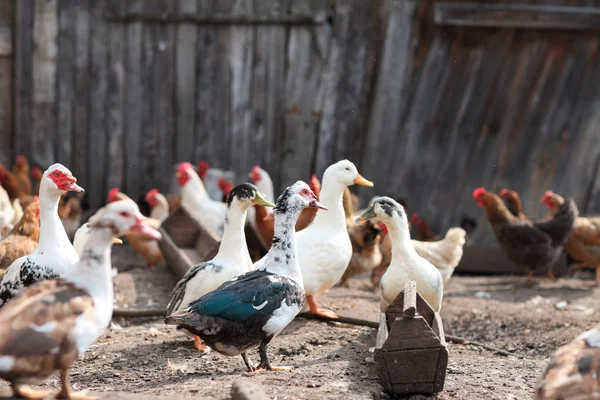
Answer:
[(347, 168), (57, 174), (304, 191), (124, 214)]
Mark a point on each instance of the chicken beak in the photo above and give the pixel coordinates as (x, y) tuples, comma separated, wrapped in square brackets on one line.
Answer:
[(261, 201), (117, 241), (370, 213), (359, 180)]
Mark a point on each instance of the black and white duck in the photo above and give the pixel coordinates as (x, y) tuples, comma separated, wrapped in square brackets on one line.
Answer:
[(251, 309), (232, 259)]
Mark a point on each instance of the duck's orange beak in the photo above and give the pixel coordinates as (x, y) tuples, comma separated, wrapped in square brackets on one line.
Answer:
[(362, 181)]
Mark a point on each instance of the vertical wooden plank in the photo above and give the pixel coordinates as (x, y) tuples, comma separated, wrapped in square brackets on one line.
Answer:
[(98, 134), (150, 130), (186, 83), (6, 89), (349, 77), (23, 73), (164, 85), (65, 80), (241, 59), (45, 31), (268, 86), (307, 53), (207, 135), (115, 101), (133, 102), (81, 22), (389, 95)]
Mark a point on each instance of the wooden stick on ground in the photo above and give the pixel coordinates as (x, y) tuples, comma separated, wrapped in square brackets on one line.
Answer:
[(136, 313)]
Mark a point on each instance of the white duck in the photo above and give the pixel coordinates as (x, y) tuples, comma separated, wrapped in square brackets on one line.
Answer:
[(232, 259), (196, 201), (159, 204), (324, 247), (54, 255), (7, 213), (406, 264), (55, 321)]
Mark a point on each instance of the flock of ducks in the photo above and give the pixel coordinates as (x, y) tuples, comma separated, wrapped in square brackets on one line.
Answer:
[(57, 299)]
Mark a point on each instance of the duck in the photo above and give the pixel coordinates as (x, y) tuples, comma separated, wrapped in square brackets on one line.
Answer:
[(159, 204), (324, 247), (251, 309), (573, 370), (53, 322), (196, 202), (232, 259), (406, 264), (54, 255)]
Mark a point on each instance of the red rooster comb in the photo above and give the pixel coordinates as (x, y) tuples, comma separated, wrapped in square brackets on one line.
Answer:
[(478, 192), (184, 166), (504, 192), (415, 219), (20, 159), (36, 198), (549, 193), (112, 194), (151, 193), (203, 167), (221, 182)]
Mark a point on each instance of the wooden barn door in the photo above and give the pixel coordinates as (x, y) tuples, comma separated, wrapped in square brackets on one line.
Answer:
[(6, 62)]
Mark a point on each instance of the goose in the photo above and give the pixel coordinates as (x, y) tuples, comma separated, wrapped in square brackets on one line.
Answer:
[(253, 308)]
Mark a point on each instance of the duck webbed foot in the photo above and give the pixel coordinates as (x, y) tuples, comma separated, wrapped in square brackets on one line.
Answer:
[(264, 360), (314, 309), (25, 392)]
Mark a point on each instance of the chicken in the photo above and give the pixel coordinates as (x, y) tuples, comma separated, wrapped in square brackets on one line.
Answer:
[(11, 184), (7, 213), (444, 254), (530, 244), (264, 224), (366, 254), (202, 169), (159, 205), (20, 170), (69, 212), (583, 244), (573, 370), (513, 203), (424, 233), (225, 186), (36, 174), (23, 239), (469, 225), (141, 244)]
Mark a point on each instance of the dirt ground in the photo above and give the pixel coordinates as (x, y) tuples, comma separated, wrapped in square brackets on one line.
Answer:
[(145, 359)]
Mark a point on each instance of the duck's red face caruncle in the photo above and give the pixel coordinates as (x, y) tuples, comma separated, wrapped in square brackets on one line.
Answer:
[(65, 181), (313, 203)]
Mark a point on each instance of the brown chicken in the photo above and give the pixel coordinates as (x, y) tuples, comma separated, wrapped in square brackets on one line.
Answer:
[(36, 174), (142, 245), (20, 170), (513, 202), (573, 370), (23, 239), (11, 184), (531, 244), (583, 244), (366, 253), (265, 223), (202, 169), (424, 232)]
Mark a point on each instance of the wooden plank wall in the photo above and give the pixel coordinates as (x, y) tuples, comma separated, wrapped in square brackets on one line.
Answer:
[(427, 108)]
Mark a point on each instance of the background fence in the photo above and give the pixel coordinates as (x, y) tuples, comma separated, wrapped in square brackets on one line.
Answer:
[(429, 98)]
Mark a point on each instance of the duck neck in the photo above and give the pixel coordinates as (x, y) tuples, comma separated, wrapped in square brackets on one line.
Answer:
[(233, 248), (161, 210), (400, 238), (52, 232), (282, 258), (331, 196), (93, 271)]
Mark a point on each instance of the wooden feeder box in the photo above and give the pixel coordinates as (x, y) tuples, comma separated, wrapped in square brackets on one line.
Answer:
[(186, 242), (410, 351), (493, 261)]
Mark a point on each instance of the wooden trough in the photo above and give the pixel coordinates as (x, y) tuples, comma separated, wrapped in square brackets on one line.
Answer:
[(493, 261), (410, 351), (185, 242)]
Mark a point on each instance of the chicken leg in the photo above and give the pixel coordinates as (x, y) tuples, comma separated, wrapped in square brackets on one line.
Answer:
[(314, 309)]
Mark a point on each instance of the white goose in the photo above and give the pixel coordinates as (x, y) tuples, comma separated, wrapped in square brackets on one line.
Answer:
[(406, 264), (54, 256), (324, 247), (196, 201)]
